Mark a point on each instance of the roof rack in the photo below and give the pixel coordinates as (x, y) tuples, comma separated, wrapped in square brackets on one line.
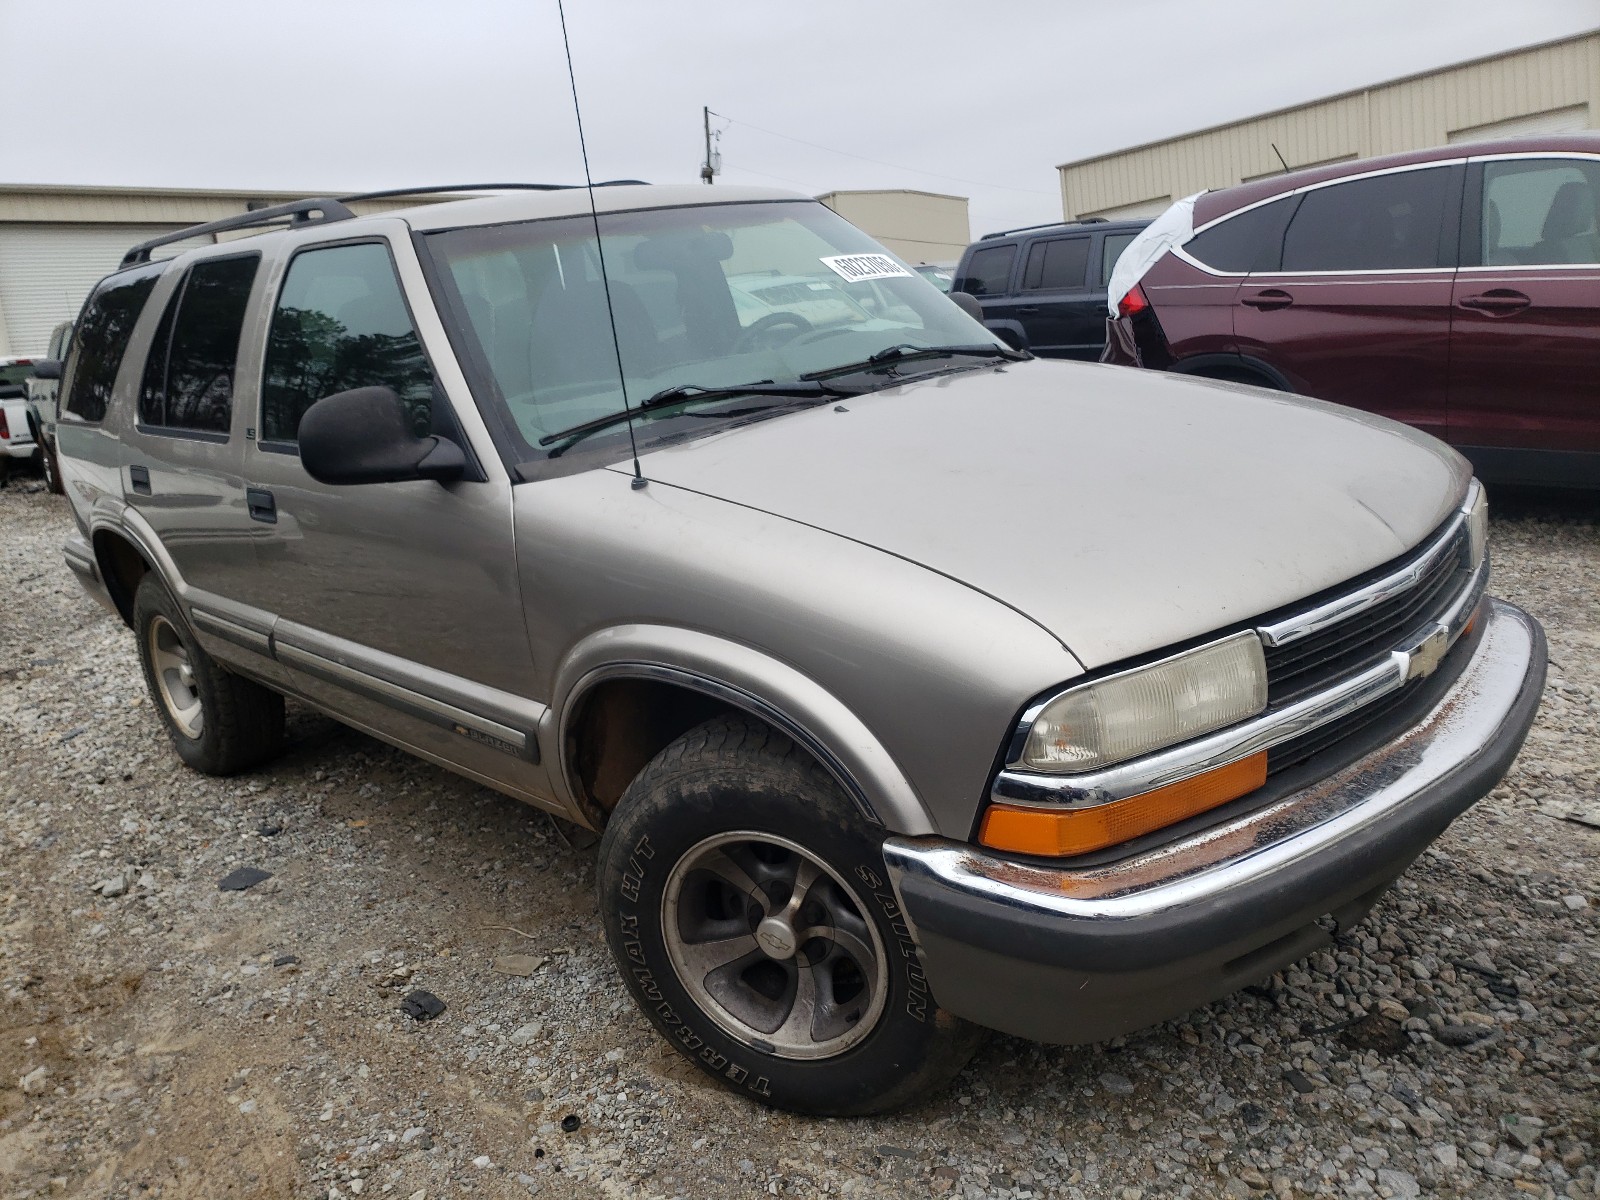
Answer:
[(484, 187), (300, 212), (1047, 225), (326, 209)]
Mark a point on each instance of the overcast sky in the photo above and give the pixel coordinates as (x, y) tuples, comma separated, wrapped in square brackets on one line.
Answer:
[(974, 98)]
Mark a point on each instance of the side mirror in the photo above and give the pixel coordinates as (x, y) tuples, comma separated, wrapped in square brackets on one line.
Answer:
[(46, 368), (364, 436), (968, 304)]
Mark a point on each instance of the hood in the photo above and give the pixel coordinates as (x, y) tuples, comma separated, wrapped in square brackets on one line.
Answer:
[(1121, 510)]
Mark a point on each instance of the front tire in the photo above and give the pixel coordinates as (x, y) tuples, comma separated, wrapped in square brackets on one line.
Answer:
[(219, 723), (747, 905)]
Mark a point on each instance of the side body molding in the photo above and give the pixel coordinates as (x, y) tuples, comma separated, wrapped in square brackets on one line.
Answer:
[(747, 679)]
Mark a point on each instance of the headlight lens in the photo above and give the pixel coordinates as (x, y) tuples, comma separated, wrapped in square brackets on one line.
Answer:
[(1149, 708), (1478, 525)]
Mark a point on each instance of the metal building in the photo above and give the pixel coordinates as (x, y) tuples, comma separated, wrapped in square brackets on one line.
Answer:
[(1549, 88), (921, 227), (56, 242)]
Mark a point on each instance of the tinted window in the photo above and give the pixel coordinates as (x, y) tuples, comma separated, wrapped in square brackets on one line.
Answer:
[(341, 322), (108, 320), (1385, 223), (988, 271), (1111, 250), (188, 379), (1252, 241), (1540, 211), (1058, 263)]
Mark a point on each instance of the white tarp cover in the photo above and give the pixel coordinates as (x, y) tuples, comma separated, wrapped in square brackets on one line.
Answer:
[(1172, 228)]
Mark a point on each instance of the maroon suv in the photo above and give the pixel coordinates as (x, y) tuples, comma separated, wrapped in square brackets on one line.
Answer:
[(1455, 289)]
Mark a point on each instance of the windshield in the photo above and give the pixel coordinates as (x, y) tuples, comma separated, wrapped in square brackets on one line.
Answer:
[(713, 296), (15, 374)]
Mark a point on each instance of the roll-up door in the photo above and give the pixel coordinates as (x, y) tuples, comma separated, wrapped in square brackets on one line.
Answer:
[(47, 270)]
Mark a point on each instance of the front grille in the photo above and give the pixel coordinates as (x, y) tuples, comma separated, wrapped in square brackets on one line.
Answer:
[(1319, 659), (1314, 741)]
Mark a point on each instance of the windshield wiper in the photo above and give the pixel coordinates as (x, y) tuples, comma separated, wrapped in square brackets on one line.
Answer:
[(907, 351), (683, 393)]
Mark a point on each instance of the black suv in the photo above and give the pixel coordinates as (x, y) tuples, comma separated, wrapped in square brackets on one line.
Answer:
[(1043, 287)]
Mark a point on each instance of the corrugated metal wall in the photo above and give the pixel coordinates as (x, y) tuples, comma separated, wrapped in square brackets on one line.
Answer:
[(918, 226), (1409, 114)]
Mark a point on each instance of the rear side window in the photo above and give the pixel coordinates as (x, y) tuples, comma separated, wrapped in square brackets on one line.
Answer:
[(102, 337), (1111, 250), (188, 378), (1385, 223), (988, 271), (1251, 241), (1058, 264), (341, 322), (1540, 211)]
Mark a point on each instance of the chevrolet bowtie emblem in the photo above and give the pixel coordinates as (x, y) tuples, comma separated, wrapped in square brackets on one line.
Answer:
[(1425, 658)]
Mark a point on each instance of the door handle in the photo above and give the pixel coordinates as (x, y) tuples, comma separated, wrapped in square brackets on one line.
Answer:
[(1267, 299), (1028, 310), (261, 504), (139, 477), (1497, 302)]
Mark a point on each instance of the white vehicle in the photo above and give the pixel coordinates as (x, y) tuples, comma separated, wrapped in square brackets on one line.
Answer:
[(16, 431)]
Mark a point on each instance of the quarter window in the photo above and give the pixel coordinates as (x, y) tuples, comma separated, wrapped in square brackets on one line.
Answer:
[(1540, 211), (1384, 223), (188, 378), (988, 271), (102, 337), (341, 323), (1111, 250), (1056, 265), (1251, 241)]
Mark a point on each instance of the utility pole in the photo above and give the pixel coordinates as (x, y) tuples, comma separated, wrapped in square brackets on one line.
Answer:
[(706, 170)]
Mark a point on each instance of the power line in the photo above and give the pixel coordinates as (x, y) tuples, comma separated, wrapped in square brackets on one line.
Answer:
[(878, 161)]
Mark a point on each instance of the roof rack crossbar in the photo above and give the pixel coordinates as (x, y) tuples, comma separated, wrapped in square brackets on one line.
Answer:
[(299, 212), (480, 187), (1047, 225)]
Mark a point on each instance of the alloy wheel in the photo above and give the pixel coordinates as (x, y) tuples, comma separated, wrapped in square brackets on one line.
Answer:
[(174, 676), (774, 945)]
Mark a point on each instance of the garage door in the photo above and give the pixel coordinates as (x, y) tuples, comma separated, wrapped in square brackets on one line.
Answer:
[(47, 270)]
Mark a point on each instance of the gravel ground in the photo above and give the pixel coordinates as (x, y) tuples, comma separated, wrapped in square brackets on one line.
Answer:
[(160, 1037)]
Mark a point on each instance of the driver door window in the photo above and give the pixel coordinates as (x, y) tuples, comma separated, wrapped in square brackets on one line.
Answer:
[(341, 322)]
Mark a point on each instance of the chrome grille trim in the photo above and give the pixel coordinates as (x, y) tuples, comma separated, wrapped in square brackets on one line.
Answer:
[(1342, 608)]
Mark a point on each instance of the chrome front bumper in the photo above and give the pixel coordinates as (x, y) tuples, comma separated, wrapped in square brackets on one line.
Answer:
[(1069, 954)]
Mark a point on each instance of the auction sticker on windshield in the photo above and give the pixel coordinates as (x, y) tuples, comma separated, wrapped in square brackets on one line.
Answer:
[(858, 267)]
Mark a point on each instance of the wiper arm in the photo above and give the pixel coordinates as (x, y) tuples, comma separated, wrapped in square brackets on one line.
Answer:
[(907, 351), (683, 393)]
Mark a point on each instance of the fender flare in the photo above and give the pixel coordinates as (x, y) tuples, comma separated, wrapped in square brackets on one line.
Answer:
[(1005, 326), (1199, 364), (747, 679), (123, 521)]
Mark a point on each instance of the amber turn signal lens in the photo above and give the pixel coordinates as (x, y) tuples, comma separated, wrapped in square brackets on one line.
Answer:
[(1056, 832)]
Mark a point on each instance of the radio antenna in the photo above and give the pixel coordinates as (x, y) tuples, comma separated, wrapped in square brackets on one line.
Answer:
[(639, 480)]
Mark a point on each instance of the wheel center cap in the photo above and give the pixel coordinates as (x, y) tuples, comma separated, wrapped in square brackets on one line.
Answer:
[(776, 936)]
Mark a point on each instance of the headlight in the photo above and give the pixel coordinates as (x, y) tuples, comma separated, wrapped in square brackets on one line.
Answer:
[(1149, 708), (1477, 523)]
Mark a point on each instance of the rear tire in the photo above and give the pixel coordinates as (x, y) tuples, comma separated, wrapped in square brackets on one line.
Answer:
[(747, 905), (51, 466), (219, 723)]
